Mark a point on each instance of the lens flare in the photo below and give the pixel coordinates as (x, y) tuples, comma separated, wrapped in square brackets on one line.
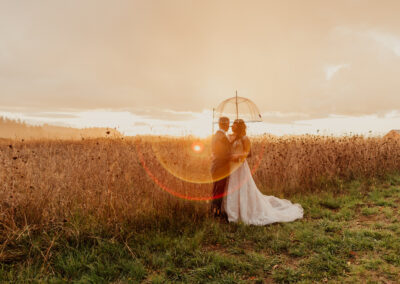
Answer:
[(197, 147), (175, 160), (187, 160)]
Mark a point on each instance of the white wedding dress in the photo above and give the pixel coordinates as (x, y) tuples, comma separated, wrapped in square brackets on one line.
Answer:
[(244, 202)]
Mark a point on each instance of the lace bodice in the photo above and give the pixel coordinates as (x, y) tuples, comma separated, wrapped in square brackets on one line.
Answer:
[(238, 147)]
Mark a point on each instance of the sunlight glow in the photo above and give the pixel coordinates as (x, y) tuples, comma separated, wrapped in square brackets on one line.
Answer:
[(197, 147), (200, 124)]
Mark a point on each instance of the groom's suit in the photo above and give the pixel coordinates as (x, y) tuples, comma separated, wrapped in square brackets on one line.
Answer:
[(220, 168)]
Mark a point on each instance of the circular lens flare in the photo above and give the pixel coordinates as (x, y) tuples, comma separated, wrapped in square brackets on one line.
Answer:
[(184, 158), (198, 149)]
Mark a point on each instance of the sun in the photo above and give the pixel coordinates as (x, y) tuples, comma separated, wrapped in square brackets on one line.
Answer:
[(197, 147)]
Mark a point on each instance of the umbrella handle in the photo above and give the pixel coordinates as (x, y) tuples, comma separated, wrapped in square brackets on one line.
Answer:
[(237, 109)]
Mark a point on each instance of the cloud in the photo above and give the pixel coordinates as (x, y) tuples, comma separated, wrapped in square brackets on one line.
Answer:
[(283, 117), (167, 114), (296, 123), (53, 115), (127, 122), (331, 70), (140, 123), (165, 59), (388, 40)]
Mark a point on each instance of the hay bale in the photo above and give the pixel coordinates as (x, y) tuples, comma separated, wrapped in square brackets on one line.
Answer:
[(395, 133)]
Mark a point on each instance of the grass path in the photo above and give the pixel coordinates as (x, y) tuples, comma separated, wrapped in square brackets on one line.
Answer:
[(350, 237)]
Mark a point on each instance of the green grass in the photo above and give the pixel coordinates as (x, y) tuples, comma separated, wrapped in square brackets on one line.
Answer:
[(349, 237)]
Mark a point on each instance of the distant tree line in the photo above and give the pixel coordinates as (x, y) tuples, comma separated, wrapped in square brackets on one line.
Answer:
[(10, 128)]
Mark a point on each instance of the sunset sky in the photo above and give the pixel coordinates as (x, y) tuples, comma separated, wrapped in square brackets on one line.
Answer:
[(161, 66)]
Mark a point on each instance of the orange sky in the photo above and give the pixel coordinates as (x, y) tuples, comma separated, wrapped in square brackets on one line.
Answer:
[(310, 59)]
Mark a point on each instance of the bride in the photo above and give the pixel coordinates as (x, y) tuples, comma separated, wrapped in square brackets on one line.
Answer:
[(243, 201)]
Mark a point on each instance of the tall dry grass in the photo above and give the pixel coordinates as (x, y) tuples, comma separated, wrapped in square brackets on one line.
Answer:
[(116, 183)]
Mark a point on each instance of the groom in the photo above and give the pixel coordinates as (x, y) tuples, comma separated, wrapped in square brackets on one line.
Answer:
[(220, 170)]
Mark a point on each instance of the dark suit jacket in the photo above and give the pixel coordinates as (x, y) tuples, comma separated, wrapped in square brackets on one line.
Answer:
[(221, 151)]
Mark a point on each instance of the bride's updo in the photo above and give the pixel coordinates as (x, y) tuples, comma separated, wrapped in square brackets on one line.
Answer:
[(239, 129)]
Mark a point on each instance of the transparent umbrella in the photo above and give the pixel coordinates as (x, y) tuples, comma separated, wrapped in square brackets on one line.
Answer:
[(238, 107)]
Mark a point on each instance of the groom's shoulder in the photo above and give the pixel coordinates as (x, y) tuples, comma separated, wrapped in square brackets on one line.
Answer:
[(220, 134)]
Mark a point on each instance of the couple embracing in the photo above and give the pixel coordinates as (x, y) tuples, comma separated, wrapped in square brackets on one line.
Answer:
[(235, 194)]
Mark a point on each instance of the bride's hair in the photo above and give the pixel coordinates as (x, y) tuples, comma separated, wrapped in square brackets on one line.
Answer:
[(240, 129)]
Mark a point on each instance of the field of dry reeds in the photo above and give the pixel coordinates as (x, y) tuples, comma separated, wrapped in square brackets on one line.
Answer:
[(116, 182)]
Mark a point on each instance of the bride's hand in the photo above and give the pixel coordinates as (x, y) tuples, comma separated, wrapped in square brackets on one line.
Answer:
[(238, 158)]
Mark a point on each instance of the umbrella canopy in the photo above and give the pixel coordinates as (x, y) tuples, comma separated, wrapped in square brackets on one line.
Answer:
[(238, 107)]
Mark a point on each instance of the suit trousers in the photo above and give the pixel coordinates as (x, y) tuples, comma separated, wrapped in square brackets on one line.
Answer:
[(219, 188)]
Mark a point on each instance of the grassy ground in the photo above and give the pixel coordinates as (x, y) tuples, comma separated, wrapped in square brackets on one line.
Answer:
[(349, 237)]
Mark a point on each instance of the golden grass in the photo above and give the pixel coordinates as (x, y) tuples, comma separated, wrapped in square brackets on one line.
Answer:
[(50, 183)]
